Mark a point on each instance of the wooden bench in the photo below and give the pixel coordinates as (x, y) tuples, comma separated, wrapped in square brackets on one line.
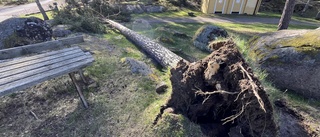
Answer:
[(20, 70)]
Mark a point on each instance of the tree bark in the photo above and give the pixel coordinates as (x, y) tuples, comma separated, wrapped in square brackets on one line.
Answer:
[(162, 55), (305, 7), (286, 15), (45, 16), (318, 16)]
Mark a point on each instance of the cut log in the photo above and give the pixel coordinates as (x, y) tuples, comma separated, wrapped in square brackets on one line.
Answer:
[(162, 55)]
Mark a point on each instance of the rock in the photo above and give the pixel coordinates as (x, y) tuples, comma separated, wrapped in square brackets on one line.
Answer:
[(23, 31), (138, 66), (8, 27), (154, 9), (141, 24), (291, 58), (207, 33), (36, 30), (139, 8), (61, 31), (161, 88), (169, 110), (136, 8)]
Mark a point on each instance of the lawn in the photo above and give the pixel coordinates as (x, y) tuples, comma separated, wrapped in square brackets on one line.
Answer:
[(124, 103), (39, 15), (184, 13)]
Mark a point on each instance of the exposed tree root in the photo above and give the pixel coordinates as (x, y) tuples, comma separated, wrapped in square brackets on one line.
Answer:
[(221, 90)]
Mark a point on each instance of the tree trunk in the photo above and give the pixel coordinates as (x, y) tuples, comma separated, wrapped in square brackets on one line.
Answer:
[(286, 14), (305, 8), (162, 55), (45, 16), (318, 16)]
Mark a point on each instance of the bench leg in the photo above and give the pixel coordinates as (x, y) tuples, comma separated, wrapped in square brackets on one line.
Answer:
[(79, 90), (83, 77)]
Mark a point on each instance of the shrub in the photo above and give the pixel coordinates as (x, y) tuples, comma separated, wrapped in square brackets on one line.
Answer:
[(80, 20), (84, 16)]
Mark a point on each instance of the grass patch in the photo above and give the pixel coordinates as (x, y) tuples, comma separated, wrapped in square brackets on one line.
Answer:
[(294, 17), (39, 15), (179, 13)]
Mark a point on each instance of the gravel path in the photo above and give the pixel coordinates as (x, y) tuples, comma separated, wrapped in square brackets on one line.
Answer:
[(15, 11)]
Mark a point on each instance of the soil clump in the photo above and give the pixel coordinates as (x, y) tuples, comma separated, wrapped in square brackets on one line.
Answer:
[(222, 95)]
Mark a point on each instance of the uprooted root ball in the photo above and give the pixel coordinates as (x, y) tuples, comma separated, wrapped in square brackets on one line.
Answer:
[(221, 94)]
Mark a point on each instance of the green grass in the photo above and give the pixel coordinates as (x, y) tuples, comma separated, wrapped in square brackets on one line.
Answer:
[(39, 15), (132, 110), (294, 17), (180, 13)]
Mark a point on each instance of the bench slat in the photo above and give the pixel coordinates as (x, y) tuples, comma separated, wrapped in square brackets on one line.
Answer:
[(39, 47), (39, 60), (29, 73), (38, 65), (24, 59), (40, 77)]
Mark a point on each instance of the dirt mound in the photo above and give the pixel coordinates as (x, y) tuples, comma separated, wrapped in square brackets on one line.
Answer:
[(221, 94)]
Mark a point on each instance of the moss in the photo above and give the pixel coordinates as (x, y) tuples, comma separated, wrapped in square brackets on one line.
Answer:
[(308, 43), (13, 41), (309, 39)]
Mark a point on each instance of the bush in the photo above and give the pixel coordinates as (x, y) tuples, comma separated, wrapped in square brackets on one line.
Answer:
[(80, 20), (84, 16)]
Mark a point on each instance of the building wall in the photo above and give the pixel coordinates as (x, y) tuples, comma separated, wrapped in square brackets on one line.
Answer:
[(231, 6), (204, 6), (250, 6)]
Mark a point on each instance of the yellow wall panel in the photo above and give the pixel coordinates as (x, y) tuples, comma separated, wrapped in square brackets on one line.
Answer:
[(231, 6)]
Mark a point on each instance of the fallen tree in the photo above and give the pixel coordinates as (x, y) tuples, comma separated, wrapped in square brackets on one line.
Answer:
[(162, 55), (218, 92), (221, 94)]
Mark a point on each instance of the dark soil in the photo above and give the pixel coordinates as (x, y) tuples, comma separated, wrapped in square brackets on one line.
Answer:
[(291, 123), (221, 94)]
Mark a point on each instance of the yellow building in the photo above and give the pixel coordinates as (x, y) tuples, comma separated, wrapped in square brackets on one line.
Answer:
[(250, 7)]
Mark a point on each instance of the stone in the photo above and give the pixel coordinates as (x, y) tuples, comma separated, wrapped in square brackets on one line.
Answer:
[(23, 31), (141, 24), (291, 58), (61, 31), (161, 88), (138, 66), (8, 27), (139, 8), (154, 9), (136, 8), (206, 34)]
